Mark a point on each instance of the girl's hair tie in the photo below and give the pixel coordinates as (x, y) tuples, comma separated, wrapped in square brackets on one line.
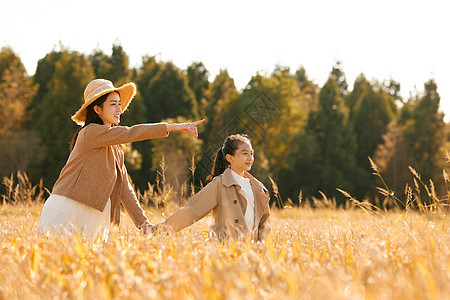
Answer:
[(223, 150)]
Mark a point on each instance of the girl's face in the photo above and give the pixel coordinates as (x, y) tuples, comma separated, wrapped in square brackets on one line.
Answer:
[(111, 110), (243, 158)]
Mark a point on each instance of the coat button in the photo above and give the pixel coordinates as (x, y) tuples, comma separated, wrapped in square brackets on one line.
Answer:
[(235, 201), (236, 221)]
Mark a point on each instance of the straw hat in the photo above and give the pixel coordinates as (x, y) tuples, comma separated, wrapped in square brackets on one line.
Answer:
[(99, 87)]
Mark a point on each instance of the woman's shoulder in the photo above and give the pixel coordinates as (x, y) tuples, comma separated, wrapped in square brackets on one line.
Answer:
[(96, 127)]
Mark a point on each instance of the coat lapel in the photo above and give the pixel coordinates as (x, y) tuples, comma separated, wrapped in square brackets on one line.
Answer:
[(260, 194), (229, 181)]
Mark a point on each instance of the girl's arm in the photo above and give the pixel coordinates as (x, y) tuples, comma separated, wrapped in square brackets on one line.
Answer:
[(195, 209), (264, 225)]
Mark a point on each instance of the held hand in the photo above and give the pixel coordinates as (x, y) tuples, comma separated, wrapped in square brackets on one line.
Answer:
[(148, 229), (189, 127), (152, 230)]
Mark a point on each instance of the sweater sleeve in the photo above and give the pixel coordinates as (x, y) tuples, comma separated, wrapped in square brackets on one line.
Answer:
[(101, 136), (131, 204), (195, 209)]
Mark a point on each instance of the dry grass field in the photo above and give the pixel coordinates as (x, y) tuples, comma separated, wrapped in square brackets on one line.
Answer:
[(311, 254)]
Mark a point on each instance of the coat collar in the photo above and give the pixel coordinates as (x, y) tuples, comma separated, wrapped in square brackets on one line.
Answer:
[(228, 180)]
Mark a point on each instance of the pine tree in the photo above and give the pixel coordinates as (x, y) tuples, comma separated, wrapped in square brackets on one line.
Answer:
[(424, 133), (333, 165), (338, 74), (371, 115), (360, 88), (417, 139), (119, 72), (164, 93), (114, 68), (44, 71), (216, 104), (168, 95), (197, 76), (143, 76), (215, 107), (302, 78)]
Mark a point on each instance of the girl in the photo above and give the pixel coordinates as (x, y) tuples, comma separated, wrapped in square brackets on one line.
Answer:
[(94, 181), (239, 202)]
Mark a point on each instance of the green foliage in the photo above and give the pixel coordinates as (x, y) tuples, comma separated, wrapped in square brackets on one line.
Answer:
[(216, 107), (198, 79), (338, 74), (178, 151), (276, 111), (165, 92), (114, 67), (10, 61), (424, 133), (370, 116), (334, 163), (16, 92), (44, 72), (393, 157), (19, 147), (217, 103), (307, 138), (302, 78), (360, 89), (65, 87)]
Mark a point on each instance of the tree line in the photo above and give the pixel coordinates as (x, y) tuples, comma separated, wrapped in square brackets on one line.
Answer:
[(308, 138)]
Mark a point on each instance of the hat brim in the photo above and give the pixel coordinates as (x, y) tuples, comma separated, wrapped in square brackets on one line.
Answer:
[(126, 93)]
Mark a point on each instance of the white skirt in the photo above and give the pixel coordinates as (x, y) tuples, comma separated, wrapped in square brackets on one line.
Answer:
[(64, 215)]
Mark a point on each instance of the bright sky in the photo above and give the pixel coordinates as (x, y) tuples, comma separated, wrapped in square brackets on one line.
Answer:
[(404, 40)]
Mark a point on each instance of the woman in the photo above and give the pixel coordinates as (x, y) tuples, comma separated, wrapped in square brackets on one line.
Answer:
[(94, 181), (238, 201)]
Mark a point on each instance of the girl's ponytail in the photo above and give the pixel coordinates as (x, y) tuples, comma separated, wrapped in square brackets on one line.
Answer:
[(220, 165), (230, 146)]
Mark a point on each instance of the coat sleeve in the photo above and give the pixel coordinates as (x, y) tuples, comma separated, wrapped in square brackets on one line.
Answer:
[(102, 136), (195, 209), (264, 224), (131, 204)]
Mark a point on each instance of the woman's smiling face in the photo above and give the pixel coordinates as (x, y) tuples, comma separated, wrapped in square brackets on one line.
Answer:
[(111, 110)]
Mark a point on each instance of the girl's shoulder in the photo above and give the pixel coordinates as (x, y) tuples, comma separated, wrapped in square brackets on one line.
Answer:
[(216, 180), (214, 184), (261, 185)]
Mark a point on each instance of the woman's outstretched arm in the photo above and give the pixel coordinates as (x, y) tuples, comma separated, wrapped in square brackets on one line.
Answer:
[(189, 127), (102, 136)]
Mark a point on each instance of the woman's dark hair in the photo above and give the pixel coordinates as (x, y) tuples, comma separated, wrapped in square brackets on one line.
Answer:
[(91, 117), (230, 146)]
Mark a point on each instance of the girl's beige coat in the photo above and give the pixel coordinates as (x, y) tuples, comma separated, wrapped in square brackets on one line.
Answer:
[(95, 170), (222, 196)]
